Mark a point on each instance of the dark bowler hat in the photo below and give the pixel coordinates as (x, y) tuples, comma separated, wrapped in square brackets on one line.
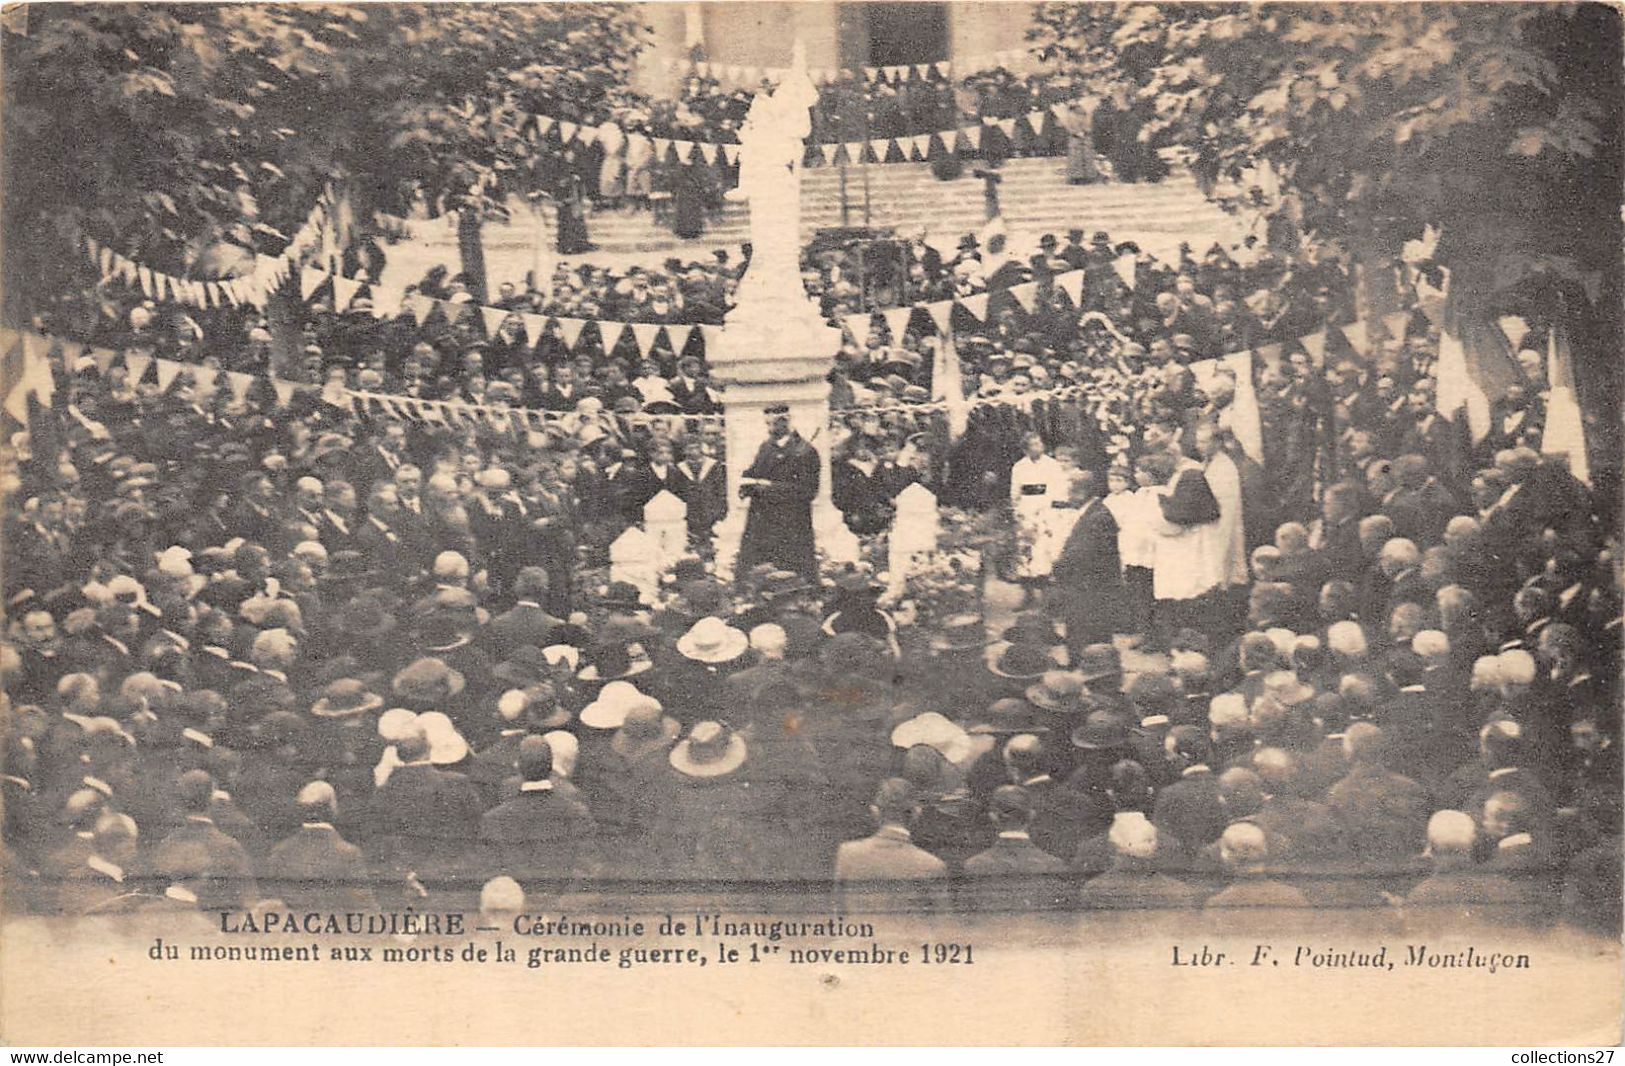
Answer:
[(1099, 661), (1100, 731), (1023, 662), (961, 632)]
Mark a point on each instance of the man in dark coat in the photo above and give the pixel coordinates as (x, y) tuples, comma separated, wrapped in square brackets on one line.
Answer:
[(425, 820), (1089, 571), (527, 622), (780, 486), (702, 483), (540, 834), (316, 867), (203, 858), (1384, 813), (1189, 810)]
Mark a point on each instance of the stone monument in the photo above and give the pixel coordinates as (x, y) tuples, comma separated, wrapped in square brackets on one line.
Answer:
[(775, 346), (665, 519)]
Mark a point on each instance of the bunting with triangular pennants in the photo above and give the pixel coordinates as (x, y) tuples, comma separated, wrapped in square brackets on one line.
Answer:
[(750, 76), (645, 335), (252, 288)]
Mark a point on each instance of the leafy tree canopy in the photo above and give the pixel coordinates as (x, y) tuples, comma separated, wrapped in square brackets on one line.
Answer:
[(163, 129), (1497, 123)]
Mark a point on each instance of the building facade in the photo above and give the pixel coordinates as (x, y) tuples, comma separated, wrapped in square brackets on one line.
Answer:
[(761, 33)]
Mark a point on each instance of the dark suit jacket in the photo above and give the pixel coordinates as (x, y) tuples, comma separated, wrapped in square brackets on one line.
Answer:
[(524, 623), (1133, 887), (209, 862), (1384, 813), (1089, 569), (1189, 809), (706, 493), (425, 821), (1013, 855), (540, 835), (316, 867)]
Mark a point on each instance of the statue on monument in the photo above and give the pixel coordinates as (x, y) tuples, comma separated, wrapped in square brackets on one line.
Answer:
[(771, 142), (773, 357)]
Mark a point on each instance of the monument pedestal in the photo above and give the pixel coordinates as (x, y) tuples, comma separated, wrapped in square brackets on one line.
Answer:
[(757, 376), (775, 347)]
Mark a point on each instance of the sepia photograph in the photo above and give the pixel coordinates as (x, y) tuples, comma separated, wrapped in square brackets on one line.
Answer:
[(811, 523)]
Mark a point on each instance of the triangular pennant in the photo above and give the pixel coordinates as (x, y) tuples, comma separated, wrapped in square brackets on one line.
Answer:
[(205, 377), (1008, 125), (543, 124), (858, 325), (662, 146), (168, 370), (922, 70), (941, 312), (567, 131), (492, 317), (146, 282), (1315, 345), (1124, 267), (708, 152), (137, 363), (879, 149), (1071, 283), (1355, 333), (535, 326), (942, 67), (570, 330), (103, 358), (420, 306), (976, 304), (344, 292), (972, 135), (897, 319), (310, 279), (283, 390), (730, 152), (645, 334), (1026, 295)]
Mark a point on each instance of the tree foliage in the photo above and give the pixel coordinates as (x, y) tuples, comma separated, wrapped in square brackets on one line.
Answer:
[(164, 129), (1496, 123)]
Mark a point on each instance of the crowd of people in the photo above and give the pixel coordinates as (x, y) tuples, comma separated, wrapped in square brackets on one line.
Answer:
[(265, 651), (296, 648), (627, 162)]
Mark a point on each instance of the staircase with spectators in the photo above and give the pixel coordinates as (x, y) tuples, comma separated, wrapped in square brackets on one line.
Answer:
[(904, 197)]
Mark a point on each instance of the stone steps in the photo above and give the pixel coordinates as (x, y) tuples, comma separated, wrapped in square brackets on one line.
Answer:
[(1033, 196)]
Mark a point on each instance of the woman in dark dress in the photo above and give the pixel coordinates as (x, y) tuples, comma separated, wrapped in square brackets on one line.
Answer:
[(688, 201)]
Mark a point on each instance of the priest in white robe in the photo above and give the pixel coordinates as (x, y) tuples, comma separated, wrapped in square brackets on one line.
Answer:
[(1225, 550), (1039, 489)]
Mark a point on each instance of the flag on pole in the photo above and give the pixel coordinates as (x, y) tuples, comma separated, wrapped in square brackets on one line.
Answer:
[(1475, 366), (948, 384), (1565, 428), (33, 376)]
